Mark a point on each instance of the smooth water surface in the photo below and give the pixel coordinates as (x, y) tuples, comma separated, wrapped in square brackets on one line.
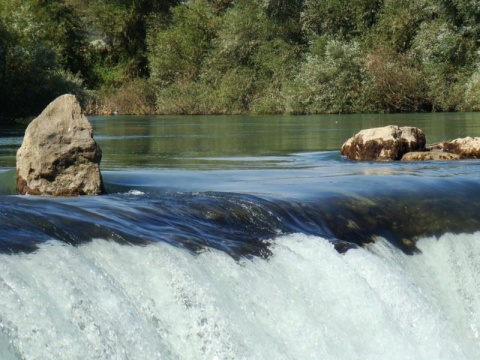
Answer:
[(219, 142)]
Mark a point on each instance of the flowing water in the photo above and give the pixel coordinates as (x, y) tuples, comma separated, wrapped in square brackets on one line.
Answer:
[(245, 237)]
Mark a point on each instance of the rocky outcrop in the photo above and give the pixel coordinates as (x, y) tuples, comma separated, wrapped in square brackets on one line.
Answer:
[(384, 144), (406, 144), (429, 155), (467, 148), (58, 155)]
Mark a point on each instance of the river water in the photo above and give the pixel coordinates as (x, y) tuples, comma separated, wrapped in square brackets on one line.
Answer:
[(246, 237)]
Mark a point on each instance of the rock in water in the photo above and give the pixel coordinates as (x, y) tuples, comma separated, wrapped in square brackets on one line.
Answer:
[(429, 155), (467, 148), (58, 155), (384, 143)]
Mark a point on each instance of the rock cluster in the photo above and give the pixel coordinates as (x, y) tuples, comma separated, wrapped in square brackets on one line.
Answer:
[(58, 155), (406, 144)]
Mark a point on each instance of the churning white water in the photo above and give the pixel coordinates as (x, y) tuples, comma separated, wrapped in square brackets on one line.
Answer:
[(107, 301)]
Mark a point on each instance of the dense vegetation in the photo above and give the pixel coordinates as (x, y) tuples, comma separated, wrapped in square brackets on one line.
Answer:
[(238, 56)]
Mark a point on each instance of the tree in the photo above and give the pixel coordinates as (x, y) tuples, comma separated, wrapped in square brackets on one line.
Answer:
[(440, 54), (64, 32), (124, 24), (396, 82), (398, 23), (31, 72), (344, 18), (178, 49), (281, 10), (254, 55), (330, 80), (3, 64)]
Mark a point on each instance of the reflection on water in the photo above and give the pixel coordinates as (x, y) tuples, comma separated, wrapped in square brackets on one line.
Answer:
[(213, 142), (218, 142)]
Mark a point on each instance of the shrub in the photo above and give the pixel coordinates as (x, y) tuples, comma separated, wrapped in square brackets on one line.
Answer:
[(34, 66), (235, 91), (343, 18), (395, 82), (439, 51), (33, 79), (328, 82), (177, 51), (471, 100), (136, 97)]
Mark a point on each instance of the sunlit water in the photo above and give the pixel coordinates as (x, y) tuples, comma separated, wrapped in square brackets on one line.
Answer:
[(236, 238)]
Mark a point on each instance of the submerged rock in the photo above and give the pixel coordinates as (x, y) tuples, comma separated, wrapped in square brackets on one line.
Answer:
[(58, 155), (429, 155), (384, 143)]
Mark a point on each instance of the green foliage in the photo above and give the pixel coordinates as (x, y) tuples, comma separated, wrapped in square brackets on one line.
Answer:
[(274, 63), (438, 48), (282, 10), (253, 57), (3, 63), (225, 56), (245, 27), (34, 67), (344, 18), (32, 79), (124, 24), (190, 98), (220, 6), (329, 81), (64, 33), (399, 21), (471, 99), (178, 50), (235, 90), (136, 97), (52, 23), (462, 13), (395, 82), (239, 58)]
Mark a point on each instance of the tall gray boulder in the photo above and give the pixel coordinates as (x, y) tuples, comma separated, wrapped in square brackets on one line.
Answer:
[(59, 156)]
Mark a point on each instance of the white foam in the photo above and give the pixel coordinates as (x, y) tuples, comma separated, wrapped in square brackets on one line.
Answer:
[(135, 193), (107, 301)]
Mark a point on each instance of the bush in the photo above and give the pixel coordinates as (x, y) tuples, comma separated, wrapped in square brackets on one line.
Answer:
[(178, 50), (34, 65), (33, 79), (136, 97), (398, 23), (329, 81), (341, 18), (471, 99), (440, 53), (395, 83), (235, 91)]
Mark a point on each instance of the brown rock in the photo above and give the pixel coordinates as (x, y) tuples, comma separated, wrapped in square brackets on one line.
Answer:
[(58, 155), (429, 155), (467, 148), (384, 144)]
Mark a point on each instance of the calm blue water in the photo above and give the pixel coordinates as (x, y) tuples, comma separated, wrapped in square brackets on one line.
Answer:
[(245, 238)]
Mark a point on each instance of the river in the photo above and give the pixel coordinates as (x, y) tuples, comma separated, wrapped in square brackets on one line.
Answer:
[(246, 237)]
